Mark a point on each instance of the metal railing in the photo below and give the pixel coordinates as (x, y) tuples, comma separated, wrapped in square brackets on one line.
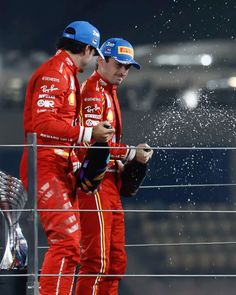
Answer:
[(33, 263)]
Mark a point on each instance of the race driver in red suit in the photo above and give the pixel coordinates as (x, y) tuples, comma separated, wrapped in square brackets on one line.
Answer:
[(51, 109), (103, 233)]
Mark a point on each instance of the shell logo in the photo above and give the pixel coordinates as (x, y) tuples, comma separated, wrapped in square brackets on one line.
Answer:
[(110, 116), (71, 99)]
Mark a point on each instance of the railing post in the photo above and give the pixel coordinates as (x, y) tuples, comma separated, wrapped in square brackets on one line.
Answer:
[(32, 282)]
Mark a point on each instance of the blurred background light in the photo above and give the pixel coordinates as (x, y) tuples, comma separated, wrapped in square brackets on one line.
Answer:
[(232, 82), (183, 60), (189, 98), (206, 59)]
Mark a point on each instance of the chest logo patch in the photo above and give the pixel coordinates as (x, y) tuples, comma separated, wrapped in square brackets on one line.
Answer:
[(71, 99), (110, 116)]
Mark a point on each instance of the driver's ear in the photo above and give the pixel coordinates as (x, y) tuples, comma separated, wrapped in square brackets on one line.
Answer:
[(100, 59), (87, 49)]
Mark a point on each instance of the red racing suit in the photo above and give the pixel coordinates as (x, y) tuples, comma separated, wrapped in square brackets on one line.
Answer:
[(102, 233), (51, 108)]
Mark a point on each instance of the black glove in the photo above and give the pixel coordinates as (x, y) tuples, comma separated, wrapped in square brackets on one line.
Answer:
[(132, 177), (93, 168)]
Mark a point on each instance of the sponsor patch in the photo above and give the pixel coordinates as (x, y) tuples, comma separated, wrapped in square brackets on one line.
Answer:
[(42, 103), (90, 109), (55, 137), (95, 41), (71, 99), (91, 122), (47, 89), (93, 116), (110, 116), (46, 78), (46, 96), (108, 50), (95, 33), (92, 99), (126, 50), (45, 111), (72, 83), (111, 44), (69, 62)]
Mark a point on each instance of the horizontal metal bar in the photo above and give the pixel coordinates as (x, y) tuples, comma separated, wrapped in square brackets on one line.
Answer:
[(125, 210), (171, 244), (187, 185), (15, 145), (128, 275), (133, 147)]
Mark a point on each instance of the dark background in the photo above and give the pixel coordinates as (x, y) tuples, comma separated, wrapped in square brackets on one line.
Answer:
[(29, 25)]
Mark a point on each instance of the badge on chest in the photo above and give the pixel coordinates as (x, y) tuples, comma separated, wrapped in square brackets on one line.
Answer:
[(71, 99)]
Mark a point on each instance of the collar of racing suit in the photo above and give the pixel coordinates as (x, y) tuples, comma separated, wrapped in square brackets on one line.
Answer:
[(104, 83), (111, 88), (65, 57)]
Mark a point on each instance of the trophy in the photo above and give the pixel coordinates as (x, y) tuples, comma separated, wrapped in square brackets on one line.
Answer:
[(13, 197)]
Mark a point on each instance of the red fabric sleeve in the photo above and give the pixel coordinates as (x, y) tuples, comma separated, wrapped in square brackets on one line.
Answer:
[(119, 154), (52, 116)]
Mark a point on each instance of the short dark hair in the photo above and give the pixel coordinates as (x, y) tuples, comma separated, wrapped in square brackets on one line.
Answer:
[(106, 59), (71, 45)]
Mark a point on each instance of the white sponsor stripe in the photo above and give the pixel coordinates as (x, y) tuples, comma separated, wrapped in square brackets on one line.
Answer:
[(108, 100), (93, 116), (80, 134), (59, 275), (87, 134), (131, 152)]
